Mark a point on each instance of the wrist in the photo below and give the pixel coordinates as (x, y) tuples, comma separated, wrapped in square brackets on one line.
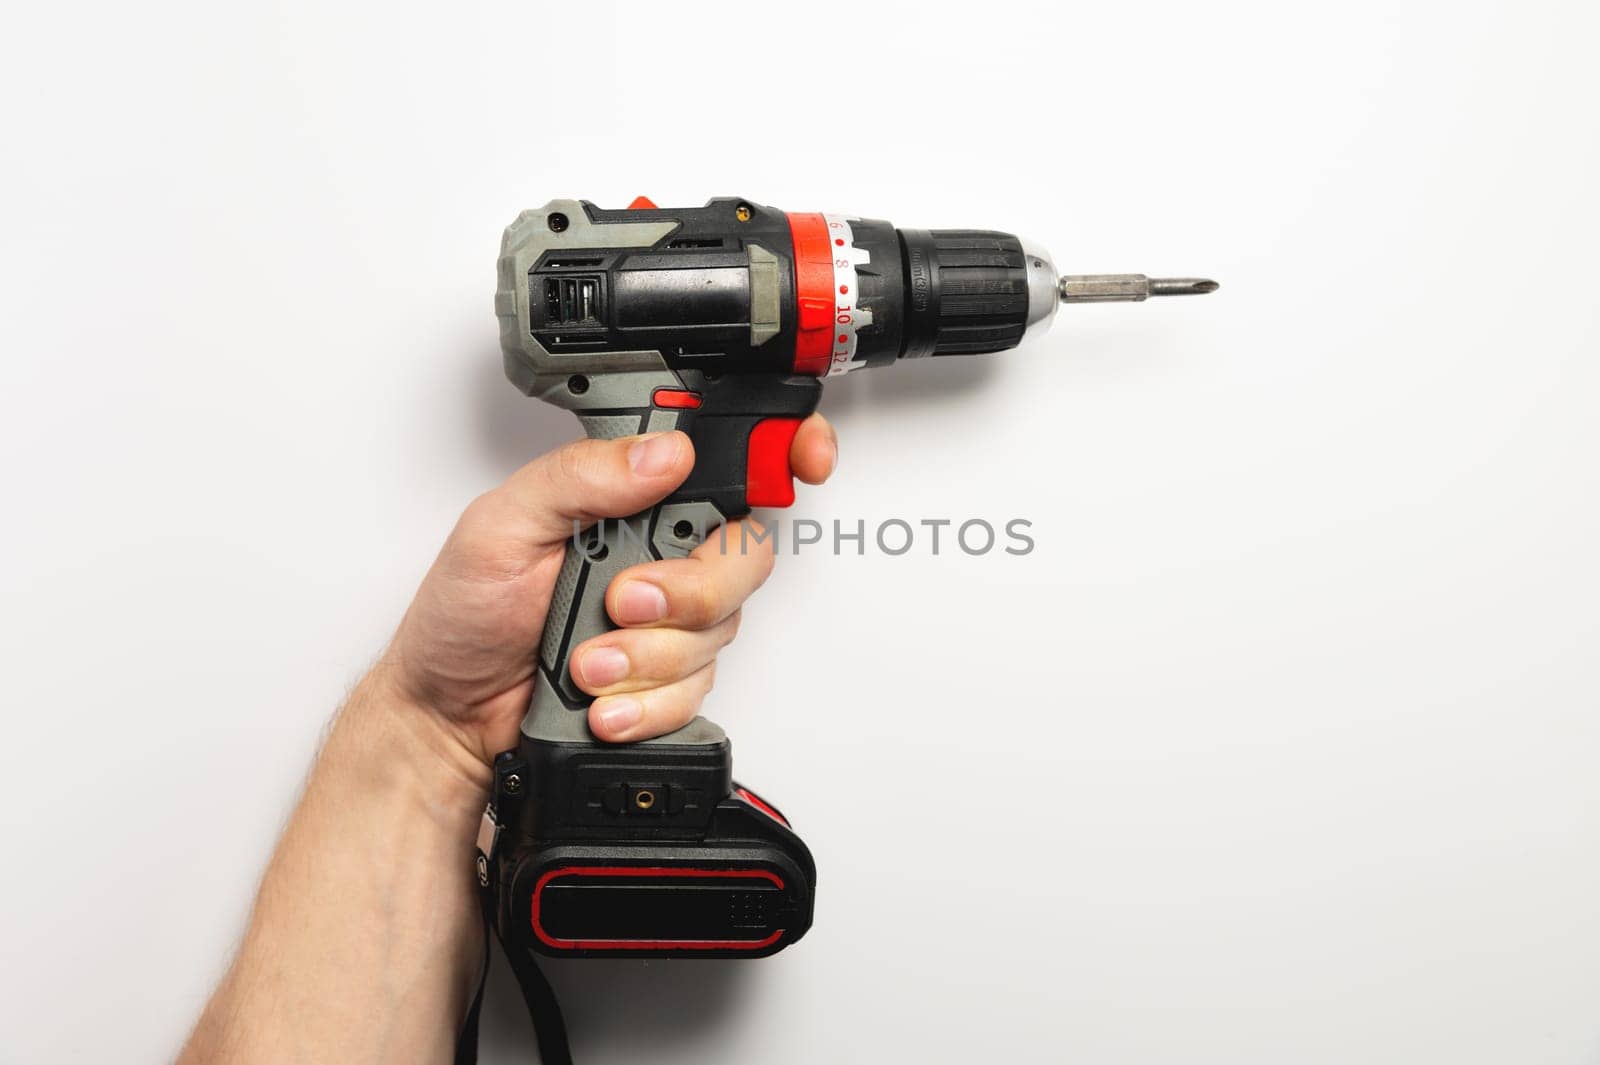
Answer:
[(404, 746), (373, 878)]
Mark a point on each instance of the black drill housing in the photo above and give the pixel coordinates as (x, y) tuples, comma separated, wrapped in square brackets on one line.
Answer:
[(928, 292)]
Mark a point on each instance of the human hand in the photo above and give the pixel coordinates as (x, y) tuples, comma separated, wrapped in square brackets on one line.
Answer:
[(464, 655)]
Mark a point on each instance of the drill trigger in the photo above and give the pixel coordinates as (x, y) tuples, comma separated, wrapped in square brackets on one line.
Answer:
[(768, 477)]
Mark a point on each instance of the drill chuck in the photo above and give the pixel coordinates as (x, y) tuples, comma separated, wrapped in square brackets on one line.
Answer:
[(966, 291)]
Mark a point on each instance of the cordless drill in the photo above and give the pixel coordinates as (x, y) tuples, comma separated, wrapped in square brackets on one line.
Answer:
[(720, 321)]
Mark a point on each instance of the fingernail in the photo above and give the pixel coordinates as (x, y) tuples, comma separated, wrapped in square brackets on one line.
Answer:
[(620, 714), (653, 455), (601, 666), (639, 602)]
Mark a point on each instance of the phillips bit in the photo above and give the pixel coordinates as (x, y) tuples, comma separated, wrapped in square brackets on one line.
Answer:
[(1129, 288)]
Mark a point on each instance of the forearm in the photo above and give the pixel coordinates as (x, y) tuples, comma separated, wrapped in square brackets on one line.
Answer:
[(365, 938)]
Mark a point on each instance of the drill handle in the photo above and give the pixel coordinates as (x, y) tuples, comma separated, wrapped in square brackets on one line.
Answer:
[(742, 426)]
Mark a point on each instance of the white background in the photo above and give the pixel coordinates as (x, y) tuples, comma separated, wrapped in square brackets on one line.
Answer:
[(1280, 747)]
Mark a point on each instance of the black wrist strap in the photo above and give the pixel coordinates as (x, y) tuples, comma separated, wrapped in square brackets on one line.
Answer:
[(549, 1027)]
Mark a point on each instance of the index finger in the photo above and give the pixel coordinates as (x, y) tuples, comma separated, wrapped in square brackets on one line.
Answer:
[(815, 451)]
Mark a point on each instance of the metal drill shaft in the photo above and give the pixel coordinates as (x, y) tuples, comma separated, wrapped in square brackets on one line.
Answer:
[(1129, 288)]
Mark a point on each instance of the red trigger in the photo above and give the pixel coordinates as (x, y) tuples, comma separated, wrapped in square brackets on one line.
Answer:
[(768, 480), (642, 203)]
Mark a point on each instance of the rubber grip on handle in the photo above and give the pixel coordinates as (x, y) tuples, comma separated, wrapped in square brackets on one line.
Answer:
[(722, 429)]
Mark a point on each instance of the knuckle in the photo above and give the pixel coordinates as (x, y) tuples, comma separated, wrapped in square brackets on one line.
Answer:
[(482, 512), (758, 546), (699, 599), (667, 659), (756, 540), (577, 466), (570, 462), (488, 539), (675, 707)]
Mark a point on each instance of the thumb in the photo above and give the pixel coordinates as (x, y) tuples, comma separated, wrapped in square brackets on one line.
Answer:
[(587, 480)]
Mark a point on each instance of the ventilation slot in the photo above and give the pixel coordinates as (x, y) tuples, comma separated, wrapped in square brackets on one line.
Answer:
[(571, 300), (695, 242)]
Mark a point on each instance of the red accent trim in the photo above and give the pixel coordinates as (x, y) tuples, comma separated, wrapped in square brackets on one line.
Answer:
[(642, 203), (649, 944), (755, 800), (813, 290), (768, 479), (676, 398)]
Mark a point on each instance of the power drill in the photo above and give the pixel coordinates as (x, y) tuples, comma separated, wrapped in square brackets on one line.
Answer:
[(720, 321)]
